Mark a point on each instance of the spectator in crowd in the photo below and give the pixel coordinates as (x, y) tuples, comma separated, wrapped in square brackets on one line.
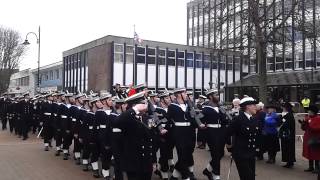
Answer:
[(305, 103), (287, 133), (260, 116), (270, 134), (131, 91), (311, 138)]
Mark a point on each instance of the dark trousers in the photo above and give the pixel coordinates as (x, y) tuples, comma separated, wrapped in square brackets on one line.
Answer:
[(4, 122), (216, 153), (90, 150), (48, 133), (166, 153), (246, 168), (139, 176), (105, 155), (11, 123), (67, 139), (185, 160), (58, 137), (77, 146), (201, 136), (116, 147)]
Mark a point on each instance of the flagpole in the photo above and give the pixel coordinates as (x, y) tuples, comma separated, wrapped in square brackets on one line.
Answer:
[(134, 54)]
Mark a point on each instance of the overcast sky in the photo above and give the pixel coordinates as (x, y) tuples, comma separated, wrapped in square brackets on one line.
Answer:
[(69, 23)]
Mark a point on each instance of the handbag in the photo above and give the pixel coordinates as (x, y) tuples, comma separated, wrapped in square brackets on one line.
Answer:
[(314, 142)]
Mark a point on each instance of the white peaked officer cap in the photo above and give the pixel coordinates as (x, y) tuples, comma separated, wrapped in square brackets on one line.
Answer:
[(136, 98), (247, 101)]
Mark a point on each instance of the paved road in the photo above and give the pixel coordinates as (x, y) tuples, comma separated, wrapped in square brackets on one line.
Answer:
[(26, 160)]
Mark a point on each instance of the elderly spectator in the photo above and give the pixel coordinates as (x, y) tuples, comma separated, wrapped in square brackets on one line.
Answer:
[(311, 139), (260, 116)]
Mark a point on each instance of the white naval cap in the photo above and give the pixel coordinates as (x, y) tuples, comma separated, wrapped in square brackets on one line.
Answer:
[(247, 101)]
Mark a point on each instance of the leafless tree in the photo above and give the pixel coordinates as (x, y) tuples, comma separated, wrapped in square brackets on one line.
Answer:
[(11, 52)]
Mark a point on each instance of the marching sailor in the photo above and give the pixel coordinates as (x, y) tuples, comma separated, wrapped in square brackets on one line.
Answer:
[(245, 130)]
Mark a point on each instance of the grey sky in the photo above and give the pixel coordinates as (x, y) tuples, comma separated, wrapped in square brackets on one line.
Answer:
[(69, 23)]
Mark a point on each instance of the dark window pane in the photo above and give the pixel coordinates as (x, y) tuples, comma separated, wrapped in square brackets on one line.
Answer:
[(214, 66), (237, 67), (189, 63), (161, 61), (222, 66), (162, 52), (180, 62), (171, 54), (190, 56), (198, 64), (171, 62), (151, 60), (279, 66), (309, 63), (140, 59), (198, 56), (289, 65), (270, 60), (140, 50), (151, 51), (206, 64), (181, 55)]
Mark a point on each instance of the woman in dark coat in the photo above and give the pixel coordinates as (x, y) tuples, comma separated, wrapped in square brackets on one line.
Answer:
[(270, 134), (287, 134)]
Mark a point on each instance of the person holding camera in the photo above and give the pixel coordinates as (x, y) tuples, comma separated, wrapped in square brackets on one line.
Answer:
[(311, 139)]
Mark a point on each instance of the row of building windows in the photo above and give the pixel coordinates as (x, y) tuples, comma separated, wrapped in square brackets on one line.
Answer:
[(76, 72), (172, 56), (50, 75), (24, 81)]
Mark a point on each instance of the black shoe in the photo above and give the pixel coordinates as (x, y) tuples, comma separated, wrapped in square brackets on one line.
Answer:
[(57, 153), (309, 169), (288, 165), (65, 157), (96, 173), (270, 161), (173, 178), (78, 161), (85, 167), (158, 173), (25, 138), (46, 148), (207, 173)]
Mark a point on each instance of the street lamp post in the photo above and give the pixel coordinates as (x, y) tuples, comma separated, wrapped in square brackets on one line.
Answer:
[(26, 42)]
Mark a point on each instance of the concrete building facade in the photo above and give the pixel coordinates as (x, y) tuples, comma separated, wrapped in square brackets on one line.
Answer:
[(99, 64)]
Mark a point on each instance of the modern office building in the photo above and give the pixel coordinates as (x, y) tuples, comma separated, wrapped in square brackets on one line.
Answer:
[(99, 64), (293, 52)]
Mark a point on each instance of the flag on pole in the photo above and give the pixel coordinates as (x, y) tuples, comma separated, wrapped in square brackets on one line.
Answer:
[(137, 39)]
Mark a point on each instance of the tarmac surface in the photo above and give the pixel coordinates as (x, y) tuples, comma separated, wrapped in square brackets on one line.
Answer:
[(26, 160)]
